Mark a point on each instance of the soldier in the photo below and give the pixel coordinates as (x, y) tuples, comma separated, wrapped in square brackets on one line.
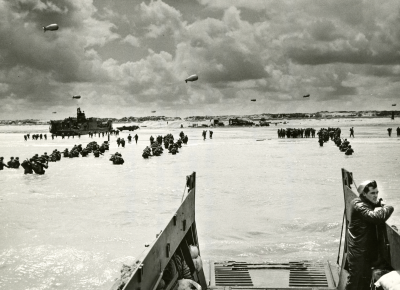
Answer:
[(45, 156), (16, 163), (27, 166), (2, 164), (349, 151), (11, 163), (366, 211), (39, 165)]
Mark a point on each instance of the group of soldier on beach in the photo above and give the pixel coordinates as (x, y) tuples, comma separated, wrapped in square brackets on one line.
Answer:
[(326, 134), (34, 164), (296, 133), (156, 149)]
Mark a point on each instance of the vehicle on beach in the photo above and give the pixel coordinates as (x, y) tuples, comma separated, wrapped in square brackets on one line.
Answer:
[(240, 122), (157, 267), (129, 128), (79, 125)]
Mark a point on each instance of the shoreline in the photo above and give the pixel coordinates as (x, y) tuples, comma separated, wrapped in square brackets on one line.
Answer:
[(202, 119)]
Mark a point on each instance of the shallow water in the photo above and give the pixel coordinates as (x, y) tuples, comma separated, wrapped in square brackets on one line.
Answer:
[(271, 200)]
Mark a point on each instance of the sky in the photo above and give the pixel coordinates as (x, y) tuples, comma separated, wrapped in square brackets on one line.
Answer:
[(129, 58)]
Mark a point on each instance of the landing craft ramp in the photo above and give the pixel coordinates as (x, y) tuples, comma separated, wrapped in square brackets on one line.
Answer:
[(292, 275), (173, 246)]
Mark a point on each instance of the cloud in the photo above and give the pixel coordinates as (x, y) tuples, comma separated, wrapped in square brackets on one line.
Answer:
[(160, 18), (354, 32), (136, 58), (324, 30), (225, 50), (61, 52), (223, 4), (132, 40), (35, 63)]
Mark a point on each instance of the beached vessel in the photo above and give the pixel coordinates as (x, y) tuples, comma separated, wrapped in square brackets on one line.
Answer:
[(240, 122), (153, 269), (79, 125), (129, 128)]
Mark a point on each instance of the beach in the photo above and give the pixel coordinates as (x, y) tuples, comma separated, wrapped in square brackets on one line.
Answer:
[(267, 200)]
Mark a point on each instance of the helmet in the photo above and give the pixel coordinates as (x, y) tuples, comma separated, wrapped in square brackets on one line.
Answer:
[(366, 184)]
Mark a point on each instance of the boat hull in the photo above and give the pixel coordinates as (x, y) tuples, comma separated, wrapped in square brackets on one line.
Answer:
[(129, 128), (79, 125), (173, 241), (56, 130)]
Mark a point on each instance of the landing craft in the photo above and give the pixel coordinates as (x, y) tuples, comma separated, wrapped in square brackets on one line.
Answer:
[(192, 78), (76, 97), (79, 125), (306, 96), (50, 27), (179, 241)]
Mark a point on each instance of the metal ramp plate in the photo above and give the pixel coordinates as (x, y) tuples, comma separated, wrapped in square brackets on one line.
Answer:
[(312, 275), (271, 275), (229, 275)]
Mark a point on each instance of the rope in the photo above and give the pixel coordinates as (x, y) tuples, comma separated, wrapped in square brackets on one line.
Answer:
[(183, 195), (354, 183)]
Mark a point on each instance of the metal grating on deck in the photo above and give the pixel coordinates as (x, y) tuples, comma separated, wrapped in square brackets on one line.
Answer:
[(272, 275), (226, 275), (310, 275)]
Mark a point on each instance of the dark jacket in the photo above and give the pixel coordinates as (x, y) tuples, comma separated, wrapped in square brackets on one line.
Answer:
[(362, 239)]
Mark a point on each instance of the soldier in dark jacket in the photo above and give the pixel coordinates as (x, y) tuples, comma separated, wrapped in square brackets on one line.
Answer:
[(349, 151), (2, 164), (365, 213), (16, 163)]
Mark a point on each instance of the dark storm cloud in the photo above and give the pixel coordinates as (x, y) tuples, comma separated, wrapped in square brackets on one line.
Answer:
[(324, 30), (343, 91), (61, 52), (224, 50), (42, 13), (393, 71), (311, 55), (135, 55), (232, 66), (354, 32)]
